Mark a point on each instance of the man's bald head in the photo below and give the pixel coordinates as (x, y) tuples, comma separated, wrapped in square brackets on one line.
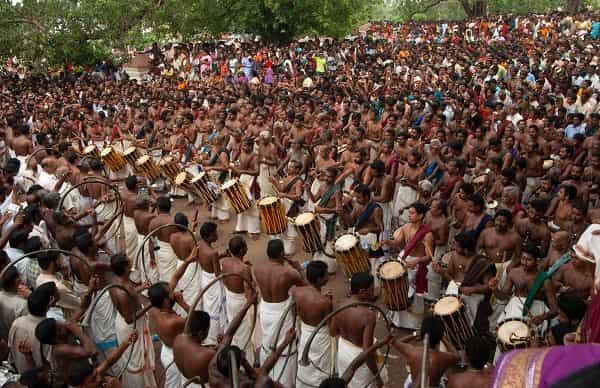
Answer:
[(561, 240)]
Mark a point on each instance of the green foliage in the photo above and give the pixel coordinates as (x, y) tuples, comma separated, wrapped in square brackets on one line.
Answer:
[(85, 31)]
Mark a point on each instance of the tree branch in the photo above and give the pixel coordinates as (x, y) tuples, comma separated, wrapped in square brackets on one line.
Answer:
[(22, 20), (426, 8)]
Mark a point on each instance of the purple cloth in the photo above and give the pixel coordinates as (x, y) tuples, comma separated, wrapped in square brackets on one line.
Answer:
[(542, 367)]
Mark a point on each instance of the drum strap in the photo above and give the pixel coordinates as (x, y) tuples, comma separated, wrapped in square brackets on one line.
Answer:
[(541, 278)]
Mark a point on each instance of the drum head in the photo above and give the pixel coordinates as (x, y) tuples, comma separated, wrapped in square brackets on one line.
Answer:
[(89, 149), (106, 151), (305, 218), (166, 160), (142, 160), (181, 177), (266, 201), (129, 150), (447, 305), (345, 242), (511, 331), (391, 270), (229, 183)]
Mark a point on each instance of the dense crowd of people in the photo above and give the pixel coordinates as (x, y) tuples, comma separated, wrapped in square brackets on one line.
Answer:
[(449, 171)]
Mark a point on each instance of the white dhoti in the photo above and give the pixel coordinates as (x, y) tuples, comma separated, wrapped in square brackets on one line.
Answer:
[(139, 357), (591, 243), (366, 242), (289, 236), (434, 280), (213, 302), (319, 357), (405, 196), (190, 283), (131, 237), (314, 188), (145, 271), (220, 209), (248, 221), (363, 377), (284, 370), (101, 327), (166, 260), (514, 309), (411, 318), (386, 209), (105, 212), (234, 303), (266, 188), (72, 200), (498, 305), (173, 377), (330, 261)]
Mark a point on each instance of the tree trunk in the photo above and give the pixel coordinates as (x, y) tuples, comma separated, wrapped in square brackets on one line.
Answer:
[(477, 8), (573, 6)]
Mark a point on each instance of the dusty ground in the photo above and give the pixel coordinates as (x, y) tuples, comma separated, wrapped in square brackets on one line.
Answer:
[(338, 284)]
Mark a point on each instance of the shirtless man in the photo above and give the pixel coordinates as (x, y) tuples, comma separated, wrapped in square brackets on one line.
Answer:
[(519, 283), (246, 167), (458, 205), (500, 243), (438, 362), (182, 241), (312, 305), (83, 374), (166, 259), (478, 374), (382, 187), (290, 190), (328, 202), (560, 208), (142, 216), (268, 161), (560, 243), (275, 278), (140, 362), (534, 166), (575, 278), (459, 260), (69, 344), (355, 327), (208, 258), (167, 323), (236, 289), (532, 228), (477, 219), (128, 197), (366, 217)]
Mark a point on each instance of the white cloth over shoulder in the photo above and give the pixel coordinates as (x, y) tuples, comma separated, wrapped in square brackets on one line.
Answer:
[(140, 366), (270, 314), (363, 376), (234, 302), (591, 243), (173, 377), (319, 355), (213, 302), (166, 260)]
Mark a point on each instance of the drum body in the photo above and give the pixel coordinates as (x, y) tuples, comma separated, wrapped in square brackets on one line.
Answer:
[(394, 284), (453, 313), (513, 333), (131, 155), (272, 215), (113, 159), (307, 226), (203, 189), (146, 166), (184, 180), (91, 151), (236, 195), (169, 167), (350, 256)]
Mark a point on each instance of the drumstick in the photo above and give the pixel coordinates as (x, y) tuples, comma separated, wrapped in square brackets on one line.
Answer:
[(499, 272)]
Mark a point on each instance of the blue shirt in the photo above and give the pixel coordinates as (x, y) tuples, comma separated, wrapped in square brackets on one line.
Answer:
[(571, 130)]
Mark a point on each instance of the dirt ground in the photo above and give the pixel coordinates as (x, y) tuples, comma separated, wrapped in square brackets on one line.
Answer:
[(338, 284)]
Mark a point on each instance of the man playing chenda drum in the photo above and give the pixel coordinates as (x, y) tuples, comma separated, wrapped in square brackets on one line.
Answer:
[(417, 240)]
